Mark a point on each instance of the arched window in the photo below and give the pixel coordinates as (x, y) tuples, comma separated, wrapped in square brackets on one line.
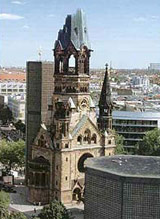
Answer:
[(61, 66), (79, 139), (71, 61), (94, 138), (72, 64), (41, 141), (87, 136), (66, 145), (76, 195)]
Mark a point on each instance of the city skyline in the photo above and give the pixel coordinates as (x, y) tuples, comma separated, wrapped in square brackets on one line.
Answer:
[(125, 32)]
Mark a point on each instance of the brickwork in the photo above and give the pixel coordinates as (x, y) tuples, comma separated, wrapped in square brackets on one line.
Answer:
[(112, 194), (102, 196)]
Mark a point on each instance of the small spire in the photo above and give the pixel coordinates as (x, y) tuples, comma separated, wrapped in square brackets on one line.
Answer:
[(105, 103), (106, 66), (105, 98)]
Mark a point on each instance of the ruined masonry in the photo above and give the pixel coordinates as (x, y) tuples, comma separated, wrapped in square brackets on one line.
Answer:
[(66, 131)]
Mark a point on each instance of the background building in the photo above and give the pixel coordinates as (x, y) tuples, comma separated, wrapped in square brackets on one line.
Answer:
[(122, 187), (140, 81), (8, 88), (133, 125), (16, 103), (154, 66), (39, 93)]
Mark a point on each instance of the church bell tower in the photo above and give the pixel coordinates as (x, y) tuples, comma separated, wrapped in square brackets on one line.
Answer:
[(59, 151)]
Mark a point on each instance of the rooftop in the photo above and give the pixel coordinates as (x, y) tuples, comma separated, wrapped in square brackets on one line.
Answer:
[(127, 165), (13, 77), (75, 31), (135, 115)]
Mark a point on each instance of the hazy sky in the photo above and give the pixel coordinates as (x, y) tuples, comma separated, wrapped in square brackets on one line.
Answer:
[(126, 32)]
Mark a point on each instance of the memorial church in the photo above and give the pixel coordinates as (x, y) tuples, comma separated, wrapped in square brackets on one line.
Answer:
[(73, 128)]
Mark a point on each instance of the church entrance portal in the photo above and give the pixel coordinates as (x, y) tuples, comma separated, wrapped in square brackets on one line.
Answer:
[(82, 160)]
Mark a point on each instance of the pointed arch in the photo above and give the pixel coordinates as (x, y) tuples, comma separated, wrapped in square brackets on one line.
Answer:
[(94, 138), (87, 136)]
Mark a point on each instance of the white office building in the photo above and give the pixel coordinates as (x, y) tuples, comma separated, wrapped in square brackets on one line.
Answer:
[(8, 88), (140, 81), (16, 103)]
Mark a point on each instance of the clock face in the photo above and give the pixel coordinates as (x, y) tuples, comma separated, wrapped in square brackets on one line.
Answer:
[(84, 103)]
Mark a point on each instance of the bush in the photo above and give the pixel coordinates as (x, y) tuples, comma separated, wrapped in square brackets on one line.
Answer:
[(17, 215), (54, 210), (4, 203), (4, 199)]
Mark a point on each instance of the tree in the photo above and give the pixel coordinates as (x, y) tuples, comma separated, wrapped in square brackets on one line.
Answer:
[(12, 154), (20, 126), (150, 145), (119, 141), (4, 203), (5, 115), (54, 210)]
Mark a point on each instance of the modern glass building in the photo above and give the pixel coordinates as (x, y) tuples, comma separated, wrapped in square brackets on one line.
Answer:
[(133, 125)]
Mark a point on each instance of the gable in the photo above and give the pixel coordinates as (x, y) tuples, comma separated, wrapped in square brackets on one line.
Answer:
[(43, 138), (83, 124)]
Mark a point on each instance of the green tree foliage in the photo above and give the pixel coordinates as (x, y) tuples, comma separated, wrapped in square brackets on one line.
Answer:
[(54, 210), (16, 215), (4, 203), (5, 114), (4, 199), (12, 154), (150, 145), (119, 145), (20, 126), (119, 141)]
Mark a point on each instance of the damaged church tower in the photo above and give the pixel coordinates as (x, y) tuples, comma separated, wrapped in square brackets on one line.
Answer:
[(56, 165)]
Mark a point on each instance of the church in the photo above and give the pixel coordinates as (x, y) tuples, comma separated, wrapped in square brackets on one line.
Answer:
[(62, 128)]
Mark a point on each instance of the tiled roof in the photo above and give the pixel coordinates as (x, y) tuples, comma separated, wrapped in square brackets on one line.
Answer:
[(79, 125), (13, 77)]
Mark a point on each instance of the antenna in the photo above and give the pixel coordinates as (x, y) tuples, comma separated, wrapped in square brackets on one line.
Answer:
[(40, 53), (110, 64)]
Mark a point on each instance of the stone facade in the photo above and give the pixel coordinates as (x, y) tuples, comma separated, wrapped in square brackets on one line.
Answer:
[(58, 152)]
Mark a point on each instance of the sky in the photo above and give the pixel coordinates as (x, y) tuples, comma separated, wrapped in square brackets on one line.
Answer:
[(125, 33)]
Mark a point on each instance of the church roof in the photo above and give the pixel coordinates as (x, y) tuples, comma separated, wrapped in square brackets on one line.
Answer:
[(75, 31), (79, 125)]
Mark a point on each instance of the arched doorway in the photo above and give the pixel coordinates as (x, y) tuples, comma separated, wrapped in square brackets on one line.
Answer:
[(76, 195), (82, 160)]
